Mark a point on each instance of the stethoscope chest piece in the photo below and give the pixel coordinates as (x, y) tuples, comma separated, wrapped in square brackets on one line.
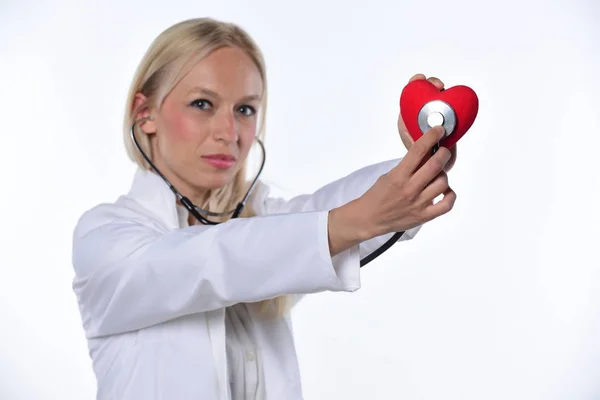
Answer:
[(436, 113)]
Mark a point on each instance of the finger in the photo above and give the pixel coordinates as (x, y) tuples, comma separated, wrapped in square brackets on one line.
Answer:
[(452, 161), (429, 171), (441, 207), (420, 149), (435, 188), (416, 77), (407, 140), (436, 82)]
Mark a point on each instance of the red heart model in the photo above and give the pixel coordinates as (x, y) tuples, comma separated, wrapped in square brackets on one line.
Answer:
[(461, 98)]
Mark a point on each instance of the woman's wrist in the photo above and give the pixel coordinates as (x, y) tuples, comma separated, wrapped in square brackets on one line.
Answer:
[(347, 227)]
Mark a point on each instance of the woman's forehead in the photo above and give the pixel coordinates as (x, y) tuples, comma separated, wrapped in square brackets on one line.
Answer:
[(226, 71)]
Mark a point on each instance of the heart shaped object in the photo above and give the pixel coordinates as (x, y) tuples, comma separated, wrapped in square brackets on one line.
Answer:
[(418, 93)]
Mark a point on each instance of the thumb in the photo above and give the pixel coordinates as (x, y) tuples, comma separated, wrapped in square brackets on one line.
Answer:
[(407, 140)]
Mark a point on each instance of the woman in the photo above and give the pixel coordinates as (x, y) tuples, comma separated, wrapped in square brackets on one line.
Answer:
[(177, 308)]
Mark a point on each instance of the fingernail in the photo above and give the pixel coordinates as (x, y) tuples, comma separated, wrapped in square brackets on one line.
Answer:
[(440, 130)]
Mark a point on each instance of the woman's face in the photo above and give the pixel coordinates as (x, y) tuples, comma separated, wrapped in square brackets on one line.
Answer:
[(203, 132)]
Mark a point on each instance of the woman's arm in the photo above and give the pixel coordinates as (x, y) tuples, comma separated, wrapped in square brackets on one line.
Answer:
[(348, 231), (130, 274), (331, 197)]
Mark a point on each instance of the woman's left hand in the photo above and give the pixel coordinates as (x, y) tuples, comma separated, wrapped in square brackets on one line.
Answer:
[(407, 140)]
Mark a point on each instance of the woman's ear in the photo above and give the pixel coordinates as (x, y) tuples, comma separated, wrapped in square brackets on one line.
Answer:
[(140, 104)]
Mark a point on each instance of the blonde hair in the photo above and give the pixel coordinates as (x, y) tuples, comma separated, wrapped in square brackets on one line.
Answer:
[(169, 58)]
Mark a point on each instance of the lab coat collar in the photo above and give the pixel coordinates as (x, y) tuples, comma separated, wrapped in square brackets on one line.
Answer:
[(151, 192)]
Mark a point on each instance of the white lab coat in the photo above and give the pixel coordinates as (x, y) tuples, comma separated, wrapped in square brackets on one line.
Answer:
[(152, 296)]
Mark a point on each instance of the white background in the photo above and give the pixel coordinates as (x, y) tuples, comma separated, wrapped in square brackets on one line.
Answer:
[(500, 299)]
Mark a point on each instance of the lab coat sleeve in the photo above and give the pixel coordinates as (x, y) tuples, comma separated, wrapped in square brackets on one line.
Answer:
[(333, 195), (130, 274)]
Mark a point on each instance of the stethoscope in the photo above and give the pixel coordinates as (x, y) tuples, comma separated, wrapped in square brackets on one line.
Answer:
[(433, 113), (187, 203)]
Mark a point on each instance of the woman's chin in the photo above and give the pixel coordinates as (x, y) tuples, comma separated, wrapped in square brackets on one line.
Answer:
[(214, 181)]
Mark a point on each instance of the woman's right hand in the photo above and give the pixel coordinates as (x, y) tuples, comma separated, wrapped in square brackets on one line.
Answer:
[(404, 197), (399, 200)]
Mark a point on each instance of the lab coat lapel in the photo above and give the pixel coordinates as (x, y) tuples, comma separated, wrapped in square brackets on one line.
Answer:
[(152, 193), (216, 330)]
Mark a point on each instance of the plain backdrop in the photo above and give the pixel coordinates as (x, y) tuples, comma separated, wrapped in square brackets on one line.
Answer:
[(500, 299)]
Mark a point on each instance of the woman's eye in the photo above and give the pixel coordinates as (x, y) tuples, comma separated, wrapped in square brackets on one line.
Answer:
[(201, 104), (246, 110)]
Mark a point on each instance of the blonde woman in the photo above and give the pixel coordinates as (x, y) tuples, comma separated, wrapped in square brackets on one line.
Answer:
[(181, 295)]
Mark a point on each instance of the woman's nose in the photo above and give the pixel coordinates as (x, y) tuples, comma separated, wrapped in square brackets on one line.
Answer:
[(224, 127)]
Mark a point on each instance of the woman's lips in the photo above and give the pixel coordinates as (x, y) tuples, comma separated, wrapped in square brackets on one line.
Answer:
[(221, 161)]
